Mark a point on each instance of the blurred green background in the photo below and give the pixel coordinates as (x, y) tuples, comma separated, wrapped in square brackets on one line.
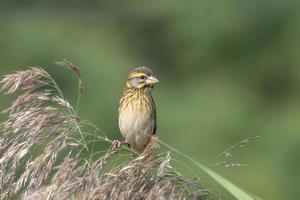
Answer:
[(228, 70)]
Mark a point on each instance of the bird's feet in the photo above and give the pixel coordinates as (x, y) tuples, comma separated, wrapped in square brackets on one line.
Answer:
[(116, 144)]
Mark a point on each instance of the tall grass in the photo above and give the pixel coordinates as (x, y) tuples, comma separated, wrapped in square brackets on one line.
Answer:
[(48, 152)]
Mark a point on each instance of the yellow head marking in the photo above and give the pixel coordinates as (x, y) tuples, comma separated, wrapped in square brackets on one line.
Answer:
[(136, 75), (128, 85)]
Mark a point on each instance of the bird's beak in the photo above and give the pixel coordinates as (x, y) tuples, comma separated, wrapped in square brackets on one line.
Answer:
[(152, 80)]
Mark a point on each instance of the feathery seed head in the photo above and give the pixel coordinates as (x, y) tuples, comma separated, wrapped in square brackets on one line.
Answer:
[(42, 128)]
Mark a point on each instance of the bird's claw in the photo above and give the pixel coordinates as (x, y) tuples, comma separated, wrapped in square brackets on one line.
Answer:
[(116, 144)]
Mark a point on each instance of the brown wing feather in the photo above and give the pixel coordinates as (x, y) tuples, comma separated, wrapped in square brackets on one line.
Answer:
[(155, 118)]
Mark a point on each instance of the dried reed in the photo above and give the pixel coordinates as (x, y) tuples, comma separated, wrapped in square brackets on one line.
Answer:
[(47, 152)]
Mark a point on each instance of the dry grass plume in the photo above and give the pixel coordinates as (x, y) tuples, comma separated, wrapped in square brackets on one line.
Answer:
[(47, 152)]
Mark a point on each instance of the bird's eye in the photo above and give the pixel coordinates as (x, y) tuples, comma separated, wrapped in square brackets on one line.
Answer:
[(143, 77)]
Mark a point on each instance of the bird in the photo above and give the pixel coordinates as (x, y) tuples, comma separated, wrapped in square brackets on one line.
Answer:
[(137, 110)]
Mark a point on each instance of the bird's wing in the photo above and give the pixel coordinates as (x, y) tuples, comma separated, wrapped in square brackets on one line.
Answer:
[(155, 119)]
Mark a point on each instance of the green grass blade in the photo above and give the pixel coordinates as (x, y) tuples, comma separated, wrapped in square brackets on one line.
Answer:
[(237, 192)]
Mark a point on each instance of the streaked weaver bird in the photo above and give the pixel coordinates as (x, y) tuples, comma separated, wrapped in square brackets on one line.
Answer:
[(137, 111)]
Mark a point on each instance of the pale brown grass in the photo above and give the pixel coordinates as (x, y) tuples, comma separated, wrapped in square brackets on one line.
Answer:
[(47, 152)]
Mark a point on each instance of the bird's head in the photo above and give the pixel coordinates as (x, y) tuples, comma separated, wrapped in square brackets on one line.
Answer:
[(141, 77)]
